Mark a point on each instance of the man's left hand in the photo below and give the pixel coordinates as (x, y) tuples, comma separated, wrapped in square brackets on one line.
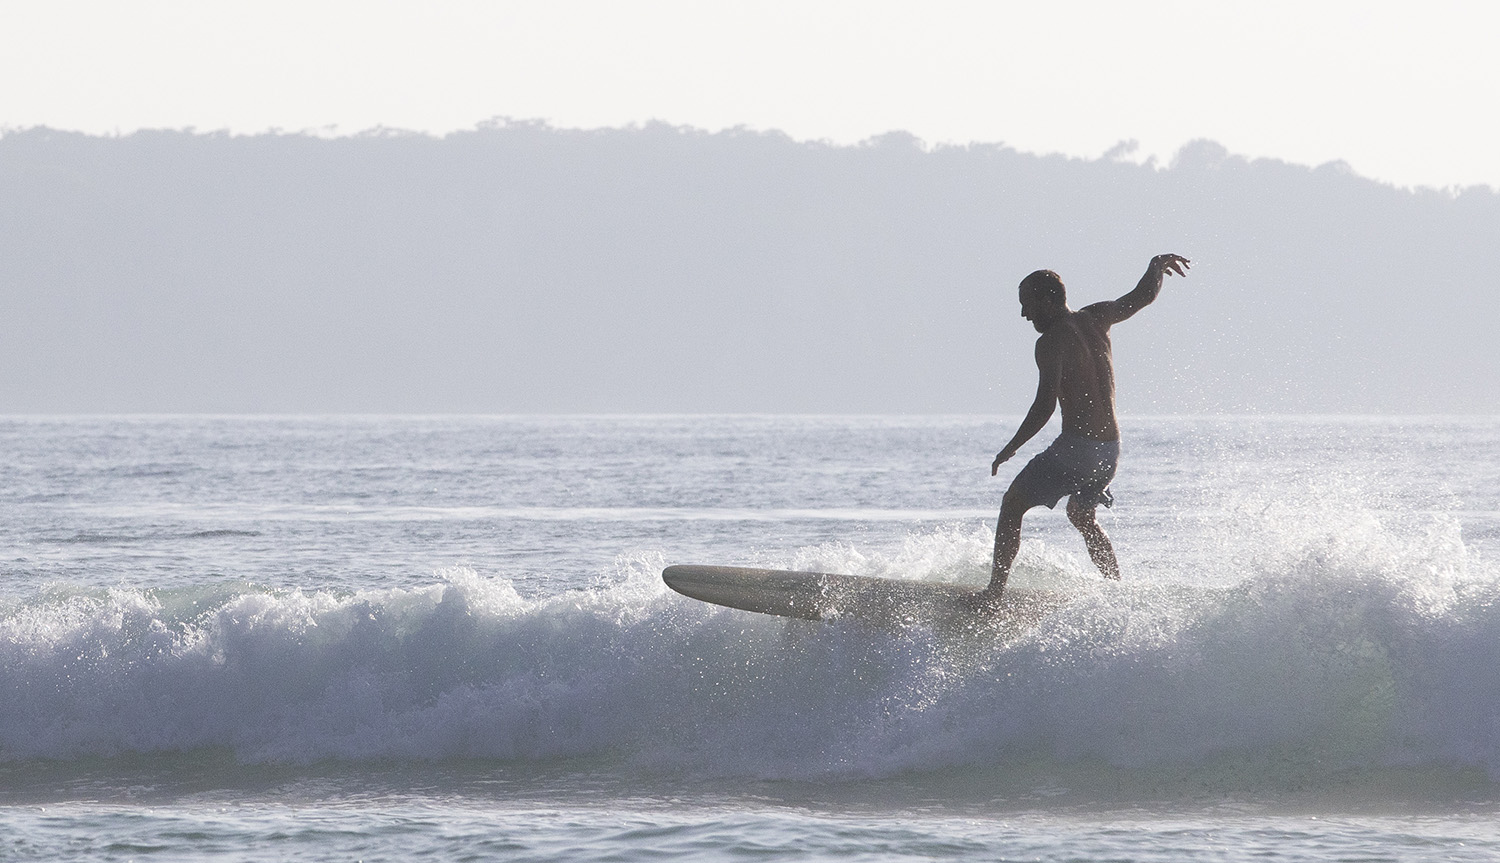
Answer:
[(1000, 459)]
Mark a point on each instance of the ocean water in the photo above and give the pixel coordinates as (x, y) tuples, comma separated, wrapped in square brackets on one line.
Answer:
[(380, 638)]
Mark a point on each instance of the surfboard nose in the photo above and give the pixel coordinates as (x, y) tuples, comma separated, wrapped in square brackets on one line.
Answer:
[(673, 576), (694, 580), (768, 591)]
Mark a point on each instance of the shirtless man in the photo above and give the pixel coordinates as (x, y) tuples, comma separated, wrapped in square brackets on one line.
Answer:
[(1076, 370)]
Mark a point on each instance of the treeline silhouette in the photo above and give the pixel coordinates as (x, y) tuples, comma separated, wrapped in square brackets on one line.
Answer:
[(521, 268)]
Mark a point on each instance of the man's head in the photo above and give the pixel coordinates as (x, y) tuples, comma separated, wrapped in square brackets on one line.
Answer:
[(1043, 299)]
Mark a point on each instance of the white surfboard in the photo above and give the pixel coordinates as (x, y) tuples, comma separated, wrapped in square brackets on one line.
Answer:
[(830, 596)]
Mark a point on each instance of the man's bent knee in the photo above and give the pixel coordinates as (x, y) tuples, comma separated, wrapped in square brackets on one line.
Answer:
[(1082, 517)]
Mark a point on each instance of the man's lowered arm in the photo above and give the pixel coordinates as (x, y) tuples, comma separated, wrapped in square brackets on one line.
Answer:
[(1049, 374)]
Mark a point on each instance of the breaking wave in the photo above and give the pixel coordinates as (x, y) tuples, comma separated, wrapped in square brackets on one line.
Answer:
[(1343, 652)]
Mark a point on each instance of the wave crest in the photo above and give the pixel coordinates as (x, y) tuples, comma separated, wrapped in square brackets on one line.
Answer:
[(1341, 653)]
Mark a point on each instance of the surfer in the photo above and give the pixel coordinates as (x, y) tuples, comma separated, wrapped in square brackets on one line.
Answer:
[(1075, 369)]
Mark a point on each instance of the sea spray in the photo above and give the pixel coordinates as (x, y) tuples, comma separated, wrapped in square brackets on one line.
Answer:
[(1343, 654)]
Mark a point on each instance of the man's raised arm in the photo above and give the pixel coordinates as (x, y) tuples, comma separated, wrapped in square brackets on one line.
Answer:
[(1145, 291)]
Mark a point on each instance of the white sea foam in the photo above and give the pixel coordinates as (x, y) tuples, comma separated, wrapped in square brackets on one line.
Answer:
[(1352, 647)]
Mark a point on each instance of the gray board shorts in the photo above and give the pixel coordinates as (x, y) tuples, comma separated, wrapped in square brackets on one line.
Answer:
[(1072, 465)]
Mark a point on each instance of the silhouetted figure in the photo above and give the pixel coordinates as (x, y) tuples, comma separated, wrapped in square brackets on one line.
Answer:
[(1075, 369)]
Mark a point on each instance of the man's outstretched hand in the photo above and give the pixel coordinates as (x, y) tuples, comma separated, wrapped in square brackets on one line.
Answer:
[(1168, 264)]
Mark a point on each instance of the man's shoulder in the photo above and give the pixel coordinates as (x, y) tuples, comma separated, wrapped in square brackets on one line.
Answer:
[(1092, 315), (1098, 315), (1099, 310)]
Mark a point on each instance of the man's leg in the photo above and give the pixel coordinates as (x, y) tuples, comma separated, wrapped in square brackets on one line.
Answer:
[(1007, 538), (1100, 550)]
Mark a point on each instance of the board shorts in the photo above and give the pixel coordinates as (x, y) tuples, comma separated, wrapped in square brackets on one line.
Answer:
[(1073, 465)]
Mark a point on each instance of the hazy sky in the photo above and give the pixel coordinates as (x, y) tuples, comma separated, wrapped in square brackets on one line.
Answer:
[(1403, 92)]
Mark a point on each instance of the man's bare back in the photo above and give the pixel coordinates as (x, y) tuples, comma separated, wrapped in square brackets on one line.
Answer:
[(1075, 369), (1078, 346)]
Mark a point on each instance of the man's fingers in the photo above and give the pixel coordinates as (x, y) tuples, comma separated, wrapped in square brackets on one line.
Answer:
[(995, 465)]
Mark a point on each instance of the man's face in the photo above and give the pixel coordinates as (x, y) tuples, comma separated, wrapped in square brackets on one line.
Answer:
[(1036, 309)]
